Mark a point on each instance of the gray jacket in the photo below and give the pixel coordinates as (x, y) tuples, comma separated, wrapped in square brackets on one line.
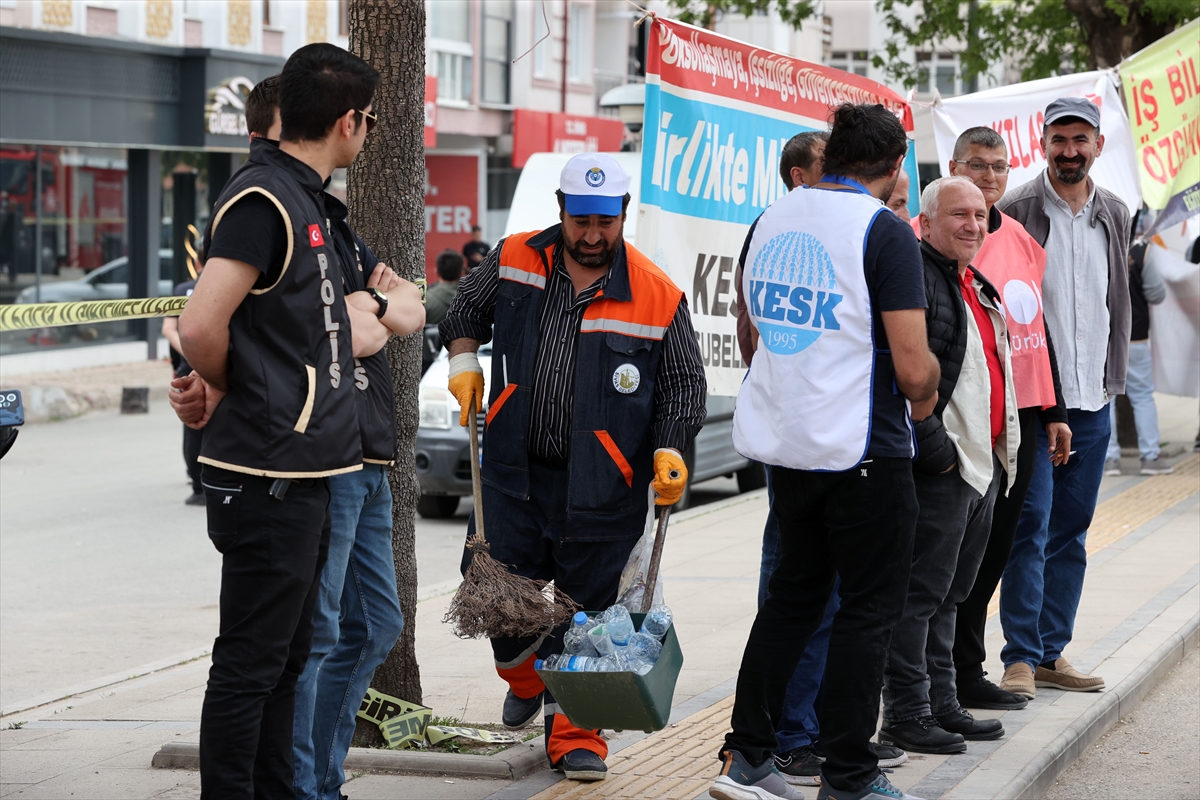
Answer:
[(1027, 205)]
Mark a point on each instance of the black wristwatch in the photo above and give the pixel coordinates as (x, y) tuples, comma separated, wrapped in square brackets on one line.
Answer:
[(380, 298)]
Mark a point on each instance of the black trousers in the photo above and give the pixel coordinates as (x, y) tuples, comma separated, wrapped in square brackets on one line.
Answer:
[(858, 524), (273, 554), (969, 650), (192, 439)]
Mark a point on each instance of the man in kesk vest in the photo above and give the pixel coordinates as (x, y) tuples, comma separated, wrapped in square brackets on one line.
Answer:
[(1014, 263), (1084, 229), (798, 729), (597, 390), (268, 331), (835, 286), (967, 451)]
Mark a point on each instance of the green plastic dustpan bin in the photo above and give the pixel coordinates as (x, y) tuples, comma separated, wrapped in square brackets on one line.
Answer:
[(621, 701)]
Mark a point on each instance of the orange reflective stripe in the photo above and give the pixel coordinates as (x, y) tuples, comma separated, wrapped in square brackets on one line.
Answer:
[(495, 407), (563, 737), (617, 456), (522, 679)]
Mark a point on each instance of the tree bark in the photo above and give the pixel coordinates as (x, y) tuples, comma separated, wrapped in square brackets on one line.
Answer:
[(1108, 39), (386, 200)]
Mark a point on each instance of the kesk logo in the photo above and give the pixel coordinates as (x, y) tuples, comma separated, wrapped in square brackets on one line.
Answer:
[(791, 292), (315, 237), (594, 177)]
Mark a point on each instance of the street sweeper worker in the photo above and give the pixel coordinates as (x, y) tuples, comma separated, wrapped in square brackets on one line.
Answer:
[(597, 390)]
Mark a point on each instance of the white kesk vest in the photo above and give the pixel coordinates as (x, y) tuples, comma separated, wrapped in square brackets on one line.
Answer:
[(806, 401)]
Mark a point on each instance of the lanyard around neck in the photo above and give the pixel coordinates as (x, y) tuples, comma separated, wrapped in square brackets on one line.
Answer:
[(848, 182)]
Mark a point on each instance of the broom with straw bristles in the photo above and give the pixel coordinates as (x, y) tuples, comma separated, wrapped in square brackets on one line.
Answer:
[(492, 602)]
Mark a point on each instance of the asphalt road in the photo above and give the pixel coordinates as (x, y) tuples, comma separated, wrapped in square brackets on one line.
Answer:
[(103, 569), (1154, 751)]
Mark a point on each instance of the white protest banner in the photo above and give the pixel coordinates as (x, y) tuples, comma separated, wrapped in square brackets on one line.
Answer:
[(718, 112), (1175, 323), (1016, 113)]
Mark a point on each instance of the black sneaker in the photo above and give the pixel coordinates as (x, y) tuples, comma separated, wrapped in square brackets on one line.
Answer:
[(196, 499), (888, 756), (800, 767), (922, 736), (518, 711), (982, 693), (971, 729), (582, 765)]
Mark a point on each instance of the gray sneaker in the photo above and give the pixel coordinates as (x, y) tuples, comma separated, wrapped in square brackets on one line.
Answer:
[(1155, 466), (881, 789), (1112, 466), (740, 781)]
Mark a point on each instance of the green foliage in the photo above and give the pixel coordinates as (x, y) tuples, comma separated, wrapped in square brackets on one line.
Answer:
[(701, 12)]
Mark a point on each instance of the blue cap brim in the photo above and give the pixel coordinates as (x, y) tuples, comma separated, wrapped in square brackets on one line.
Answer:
[(582, 205)]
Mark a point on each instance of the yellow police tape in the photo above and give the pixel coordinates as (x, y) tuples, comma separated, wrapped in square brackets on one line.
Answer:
[(21, 316), (402, 723), (48, 315)]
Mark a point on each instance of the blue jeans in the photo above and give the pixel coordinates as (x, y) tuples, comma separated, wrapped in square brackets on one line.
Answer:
[(798, 725), (356, 621), (1039, 594), (1139, 388)]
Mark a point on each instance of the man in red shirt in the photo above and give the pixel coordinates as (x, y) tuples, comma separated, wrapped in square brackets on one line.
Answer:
[(967, 450)]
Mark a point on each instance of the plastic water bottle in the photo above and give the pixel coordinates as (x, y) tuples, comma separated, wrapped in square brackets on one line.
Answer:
[(644, 647), (616, 661), (657, 620), (619, 626), (578, 664), (576, 641), (598, 637)]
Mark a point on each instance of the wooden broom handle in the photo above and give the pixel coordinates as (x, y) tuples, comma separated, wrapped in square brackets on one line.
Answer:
[(655, 558), (476, 483)]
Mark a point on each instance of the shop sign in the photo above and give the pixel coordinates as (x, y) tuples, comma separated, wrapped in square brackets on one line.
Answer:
[(552, 132), (451, 205), (430, 111), (225, 113)]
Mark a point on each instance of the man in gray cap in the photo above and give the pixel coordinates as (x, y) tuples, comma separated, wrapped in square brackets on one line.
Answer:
[(1085, 231)]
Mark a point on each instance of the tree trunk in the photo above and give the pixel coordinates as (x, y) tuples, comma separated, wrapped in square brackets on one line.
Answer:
[(1108, 39), (386, 199)]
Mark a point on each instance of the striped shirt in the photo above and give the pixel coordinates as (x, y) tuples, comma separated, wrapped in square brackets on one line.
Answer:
[(680, 390)]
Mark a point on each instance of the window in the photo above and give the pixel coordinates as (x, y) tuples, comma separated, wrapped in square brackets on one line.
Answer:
[(449, 49), (266, 4), (541, 53), (938, 70), (853, 61), (577, 42), (343, 17), (497, 51)]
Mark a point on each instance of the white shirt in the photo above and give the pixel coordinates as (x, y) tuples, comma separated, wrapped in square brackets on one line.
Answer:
[(1075, 299)]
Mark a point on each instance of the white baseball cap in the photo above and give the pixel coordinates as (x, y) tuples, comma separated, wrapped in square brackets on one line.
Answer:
[(594, 183)]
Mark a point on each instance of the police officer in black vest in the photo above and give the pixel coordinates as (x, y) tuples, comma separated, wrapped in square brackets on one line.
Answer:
[(268, 331)]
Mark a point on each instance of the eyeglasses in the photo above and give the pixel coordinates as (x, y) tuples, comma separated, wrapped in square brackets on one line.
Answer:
[(980, 167), (371, 119)]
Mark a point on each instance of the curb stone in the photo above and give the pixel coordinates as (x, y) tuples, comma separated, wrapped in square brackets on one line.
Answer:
[(511, 764), (1044, 769)]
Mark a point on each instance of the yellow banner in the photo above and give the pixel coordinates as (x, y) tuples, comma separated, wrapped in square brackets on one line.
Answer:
[(48, 315), (1162, 94), (439, 733)]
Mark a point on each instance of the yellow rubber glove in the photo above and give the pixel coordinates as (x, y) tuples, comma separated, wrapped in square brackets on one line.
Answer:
[(466, 382), (670, 476)]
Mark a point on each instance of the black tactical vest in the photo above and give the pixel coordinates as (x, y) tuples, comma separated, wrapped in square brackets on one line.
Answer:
[(372, 374), (290, 411)]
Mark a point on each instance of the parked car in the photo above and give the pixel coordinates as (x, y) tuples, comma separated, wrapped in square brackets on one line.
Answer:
[(443, 446), (107, 282)]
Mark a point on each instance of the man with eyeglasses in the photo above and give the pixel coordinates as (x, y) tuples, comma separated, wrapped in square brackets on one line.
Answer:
[(275, 332), (1014, 263), (1085, 231)]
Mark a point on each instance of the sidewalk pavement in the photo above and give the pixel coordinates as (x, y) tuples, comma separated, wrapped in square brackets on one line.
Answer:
[(1138, 615)]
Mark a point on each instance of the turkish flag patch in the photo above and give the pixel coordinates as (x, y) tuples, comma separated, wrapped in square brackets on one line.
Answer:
[(315, 237)]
